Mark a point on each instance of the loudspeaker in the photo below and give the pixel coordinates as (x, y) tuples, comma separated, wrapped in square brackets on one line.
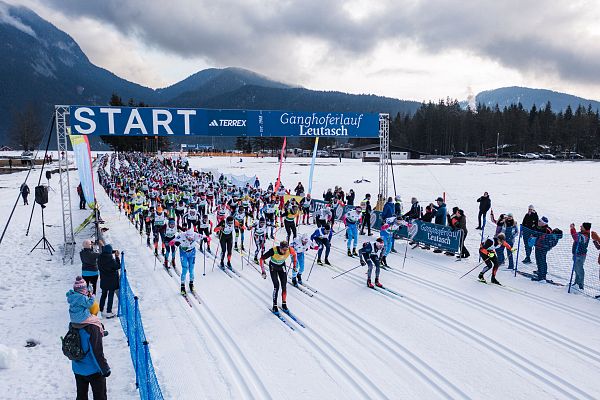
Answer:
[(41, 194), (48, 175)]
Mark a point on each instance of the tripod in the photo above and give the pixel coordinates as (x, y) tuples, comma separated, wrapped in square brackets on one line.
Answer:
[(45, 243)]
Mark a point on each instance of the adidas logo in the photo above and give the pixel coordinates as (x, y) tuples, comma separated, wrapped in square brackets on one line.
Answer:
[(213, 123)]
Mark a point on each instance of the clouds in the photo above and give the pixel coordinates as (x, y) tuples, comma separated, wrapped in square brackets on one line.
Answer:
[(549, 42)]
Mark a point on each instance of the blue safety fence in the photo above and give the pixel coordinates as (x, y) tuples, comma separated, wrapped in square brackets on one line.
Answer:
[(131, 321), (552, 256)]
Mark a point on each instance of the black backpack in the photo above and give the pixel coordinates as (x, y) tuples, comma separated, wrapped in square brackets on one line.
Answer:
[(71, 345), (552, 239)]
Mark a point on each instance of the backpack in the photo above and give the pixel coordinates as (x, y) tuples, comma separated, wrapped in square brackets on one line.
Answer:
[(71, 345), (552, 239)]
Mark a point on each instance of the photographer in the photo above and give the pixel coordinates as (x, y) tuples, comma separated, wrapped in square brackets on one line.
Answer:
[(108, 265), (89, 264)]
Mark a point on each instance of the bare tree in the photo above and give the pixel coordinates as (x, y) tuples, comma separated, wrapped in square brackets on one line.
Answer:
[(26, 130)]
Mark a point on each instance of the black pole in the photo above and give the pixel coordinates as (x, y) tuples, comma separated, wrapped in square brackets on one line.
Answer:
[(393, 178), (42, 171)]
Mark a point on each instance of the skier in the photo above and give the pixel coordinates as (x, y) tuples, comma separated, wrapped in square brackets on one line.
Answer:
[(239, 217), (488, 250), (270, 212), (160, 225), (259, 229), (352, 219), (387, 231), (205, 228), (187, 254), (323, 216), (225, 230), (290, 215), (322, 237), (277, 269), (371, 254), (305, 205), (366, 221), (301, 245), (170, 234)]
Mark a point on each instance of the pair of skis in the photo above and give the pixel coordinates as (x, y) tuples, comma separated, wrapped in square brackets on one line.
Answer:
[(307, 290), (279, 315)]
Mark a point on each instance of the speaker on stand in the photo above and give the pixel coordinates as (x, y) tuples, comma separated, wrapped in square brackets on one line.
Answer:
[(41, 198)]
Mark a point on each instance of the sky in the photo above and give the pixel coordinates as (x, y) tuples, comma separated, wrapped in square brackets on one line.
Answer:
[(417, 50)]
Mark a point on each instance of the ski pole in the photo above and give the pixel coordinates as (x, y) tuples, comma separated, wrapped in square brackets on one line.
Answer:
[(471, 270), (311, 267), (405, 250), (204, 260), (343, 273)]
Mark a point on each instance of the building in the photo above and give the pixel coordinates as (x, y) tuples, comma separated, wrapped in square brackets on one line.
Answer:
[(370, 152)]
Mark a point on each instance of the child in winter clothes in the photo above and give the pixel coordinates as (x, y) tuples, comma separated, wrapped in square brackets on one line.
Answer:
[(80, 300)]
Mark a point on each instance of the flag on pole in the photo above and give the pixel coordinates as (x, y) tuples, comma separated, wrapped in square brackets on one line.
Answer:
[(312, 165), (83, 160)]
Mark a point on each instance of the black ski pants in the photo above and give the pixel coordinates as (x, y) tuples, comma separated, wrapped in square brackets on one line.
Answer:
[(278, 273), (96, 381)]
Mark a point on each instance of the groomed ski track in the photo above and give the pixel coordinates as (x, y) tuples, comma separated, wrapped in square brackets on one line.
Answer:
[(214, 350)]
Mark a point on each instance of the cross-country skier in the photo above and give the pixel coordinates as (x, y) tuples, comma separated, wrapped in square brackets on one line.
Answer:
[(305, 205), (225, 230), (205, 228), (239, 217), (487, 251), (270, 212), (259, 235), (277, 269), (371, 254), (352, 219), (187, 254), (390, 226), (301, 245), (170, 234), (289, 221), (322, 237)]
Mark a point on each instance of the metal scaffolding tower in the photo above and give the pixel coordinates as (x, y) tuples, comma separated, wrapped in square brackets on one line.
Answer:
[(384, 154), (62, 134)]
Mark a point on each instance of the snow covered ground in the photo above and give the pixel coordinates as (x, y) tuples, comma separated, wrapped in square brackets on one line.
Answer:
[(440, 337)]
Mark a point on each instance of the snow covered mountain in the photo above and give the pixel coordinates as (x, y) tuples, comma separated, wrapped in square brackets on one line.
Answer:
[(528, 97)]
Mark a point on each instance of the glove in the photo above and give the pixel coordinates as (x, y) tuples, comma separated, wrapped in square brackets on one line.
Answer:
[(106, 374), (514, 250), (205, 239), (491, 255), (295, 268), (264, 275), (363, 263)]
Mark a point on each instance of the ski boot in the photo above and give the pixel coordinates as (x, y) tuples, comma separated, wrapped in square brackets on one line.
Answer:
[(236, 247), (229, 265), (155, 252), (294, 281), (527, 260), (162, 251), (354, 253), (384, 261), (327, 262), (299, 276), (319, 261), (495, 281), (183, 288), (370, 284), (481, 278), (222, 266), (275, 309), (148, 241), (256, 259), (243, 247), (191, 286), (173, 262), (284, 307), (349, 253), (377, 283), (166, 263)]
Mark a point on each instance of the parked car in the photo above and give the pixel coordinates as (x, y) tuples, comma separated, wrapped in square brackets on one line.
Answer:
[(322, 153), (519, 156), (27, 155), (458, 154), (490, 155), (532, 156), (548, 156), (472, 154), (576, 156)]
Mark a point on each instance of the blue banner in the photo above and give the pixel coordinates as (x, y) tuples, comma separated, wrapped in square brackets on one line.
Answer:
[(144, 121)]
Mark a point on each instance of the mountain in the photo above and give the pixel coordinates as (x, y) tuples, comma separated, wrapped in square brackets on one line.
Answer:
[(528, 97), (43, 66)]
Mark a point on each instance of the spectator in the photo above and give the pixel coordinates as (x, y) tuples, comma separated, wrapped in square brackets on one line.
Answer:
[(350, 197), (440, 212), (89, 264), (108, 266), (485, 203), (539, 239), (24, 193), (530, 221), (459, 222), (81, 197), (429, 214), (581, 241), (596, 241), (398, 205), (415, 210), (328, 196), (366, 217), (256, 182), (388, 209), (510, 233), (299, 189)]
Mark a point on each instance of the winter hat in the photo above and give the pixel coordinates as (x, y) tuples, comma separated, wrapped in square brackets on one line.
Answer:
[(80, 285), (531, 207), (87, 244), (439, 199), (544, 221), (587, 226), (107, 249), (509, 215)]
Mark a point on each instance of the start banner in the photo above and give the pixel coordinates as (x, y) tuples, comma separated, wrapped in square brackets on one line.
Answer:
[(152, 121)]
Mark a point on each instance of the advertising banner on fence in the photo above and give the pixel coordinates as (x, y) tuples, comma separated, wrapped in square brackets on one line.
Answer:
[(151, 121)]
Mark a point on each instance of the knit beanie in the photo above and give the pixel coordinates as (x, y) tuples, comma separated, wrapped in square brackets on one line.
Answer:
[(80, 285), (587, 226)]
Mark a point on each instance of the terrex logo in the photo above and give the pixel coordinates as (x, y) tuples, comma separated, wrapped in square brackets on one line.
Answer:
[(228, 122)]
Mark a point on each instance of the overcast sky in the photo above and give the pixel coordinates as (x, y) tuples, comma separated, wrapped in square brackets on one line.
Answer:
[(415, 49)]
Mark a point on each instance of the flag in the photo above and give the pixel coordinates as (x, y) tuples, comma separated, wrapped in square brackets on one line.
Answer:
[(312, 165), (83, 160), (280, 164)]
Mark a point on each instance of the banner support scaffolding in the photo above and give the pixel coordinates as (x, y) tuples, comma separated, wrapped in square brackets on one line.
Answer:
[(62, 133), (384, 157)]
